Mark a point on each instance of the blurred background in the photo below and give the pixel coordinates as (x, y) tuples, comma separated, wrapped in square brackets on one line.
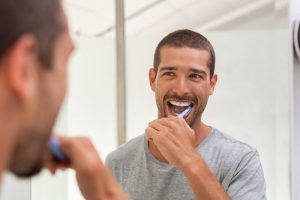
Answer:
[(251, 101)]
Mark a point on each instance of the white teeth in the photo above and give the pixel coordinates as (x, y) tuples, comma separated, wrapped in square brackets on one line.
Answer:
[(178, 103)]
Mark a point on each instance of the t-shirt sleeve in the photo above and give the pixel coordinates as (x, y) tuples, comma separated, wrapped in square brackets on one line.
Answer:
[(248, 181)]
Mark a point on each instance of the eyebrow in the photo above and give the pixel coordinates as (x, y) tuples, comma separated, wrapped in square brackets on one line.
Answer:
[(168, 68), (194, 70), (199, 71)]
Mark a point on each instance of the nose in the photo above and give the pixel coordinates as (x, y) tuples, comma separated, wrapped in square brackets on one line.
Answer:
[(181, 86)]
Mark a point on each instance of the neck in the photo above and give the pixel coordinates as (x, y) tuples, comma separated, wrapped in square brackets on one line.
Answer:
[(201, 132), (7, 133), (6, 146)]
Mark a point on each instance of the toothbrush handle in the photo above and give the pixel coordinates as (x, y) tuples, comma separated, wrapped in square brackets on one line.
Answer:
[(56, 150)]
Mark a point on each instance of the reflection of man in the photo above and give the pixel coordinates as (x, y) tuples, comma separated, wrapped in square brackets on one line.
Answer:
[(185, 158), (34, 50)]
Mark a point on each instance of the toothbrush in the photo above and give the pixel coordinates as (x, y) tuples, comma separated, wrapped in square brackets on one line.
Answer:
[(56, 150), (185, 112)]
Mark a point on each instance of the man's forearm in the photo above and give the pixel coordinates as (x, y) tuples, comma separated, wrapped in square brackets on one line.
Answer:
[(203, 183), (112, 191), (105, 187)]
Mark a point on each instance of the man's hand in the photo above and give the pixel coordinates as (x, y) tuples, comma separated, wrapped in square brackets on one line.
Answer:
[(174, 139), (94, 179), (176, 142)]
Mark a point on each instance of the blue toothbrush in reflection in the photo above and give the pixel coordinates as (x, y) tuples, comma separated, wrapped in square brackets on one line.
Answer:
[(56, 151), (184, 113)]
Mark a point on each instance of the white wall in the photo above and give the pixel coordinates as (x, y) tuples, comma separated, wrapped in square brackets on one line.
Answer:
[(91, 104), (250, 101), (13, 188)]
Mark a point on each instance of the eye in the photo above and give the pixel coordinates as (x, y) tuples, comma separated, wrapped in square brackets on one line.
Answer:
[(196, 76), (168, 74)]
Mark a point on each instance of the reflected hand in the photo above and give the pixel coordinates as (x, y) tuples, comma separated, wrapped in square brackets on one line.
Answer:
[(94, 179)]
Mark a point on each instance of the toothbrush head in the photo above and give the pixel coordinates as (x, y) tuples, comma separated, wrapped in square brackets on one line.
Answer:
[(184, 113)]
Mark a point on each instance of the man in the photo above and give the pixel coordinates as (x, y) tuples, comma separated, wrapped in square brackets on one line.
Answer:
[(34, 50), (183, 158)]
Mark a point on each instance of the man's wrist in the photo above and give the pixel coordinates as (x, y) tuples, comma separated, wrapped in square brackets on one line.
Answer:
[(192, 163), (110, 190)]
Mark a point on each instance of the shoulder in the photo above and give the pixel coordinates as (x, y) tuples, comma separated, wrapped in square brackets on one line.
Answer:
[(222, 149), (244, 177), (239, 163), (231, 145), (126, 151)]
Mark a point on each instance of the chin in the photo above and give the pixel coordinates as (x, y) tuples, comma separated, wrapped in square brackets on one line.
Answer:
[(29, 156), (22, 171)]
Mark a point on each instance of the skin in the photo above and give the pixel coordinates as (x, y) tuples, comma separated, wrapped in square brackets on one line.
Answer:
[(30, 99), (93, 177), (183, 75)]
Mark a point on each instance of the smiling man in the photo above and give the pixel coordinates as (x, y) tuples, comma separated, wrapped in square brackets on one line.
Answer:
[(181, 157)]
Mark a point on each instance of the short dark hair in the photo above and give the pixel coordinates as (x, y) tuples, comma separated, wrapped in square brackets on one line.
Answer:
[(43, 19), (186, 38)]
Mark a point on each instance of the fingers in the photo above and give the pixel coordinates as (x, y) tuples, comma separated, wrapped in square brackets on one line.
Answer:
[(81, 153), (52, 165), (169, 122), (93, 178), (172, 129), (160, 138), (158, 126), (73, 146), (51, 162), (151, 133), (170, 126)]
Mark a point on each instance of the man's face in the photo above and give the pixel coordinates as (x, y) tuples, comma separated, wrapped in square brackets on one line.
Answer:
[(40, 116), (182, 80)]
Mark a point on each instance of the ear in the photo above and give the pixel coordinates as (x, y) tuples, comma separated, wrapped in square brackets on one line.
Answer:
[(213, 83), (152, 76), (21, 69)]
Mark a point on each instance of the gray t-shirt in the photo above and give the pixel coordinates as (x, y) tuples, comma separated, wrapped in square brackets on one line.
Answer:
[(236, 166)]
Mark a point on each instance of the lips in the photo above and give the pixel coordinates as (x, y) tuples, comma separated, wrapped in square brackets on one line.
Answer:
[(174, 107)]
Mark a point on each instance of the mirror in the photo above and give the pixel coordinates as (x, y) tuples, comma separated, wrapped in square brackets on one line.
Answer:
[(250, 103), (296, 37)]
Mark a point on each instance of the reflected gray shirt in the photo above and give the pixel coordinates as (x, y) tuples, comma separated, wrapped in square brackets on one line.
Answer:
[(236, 166)]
